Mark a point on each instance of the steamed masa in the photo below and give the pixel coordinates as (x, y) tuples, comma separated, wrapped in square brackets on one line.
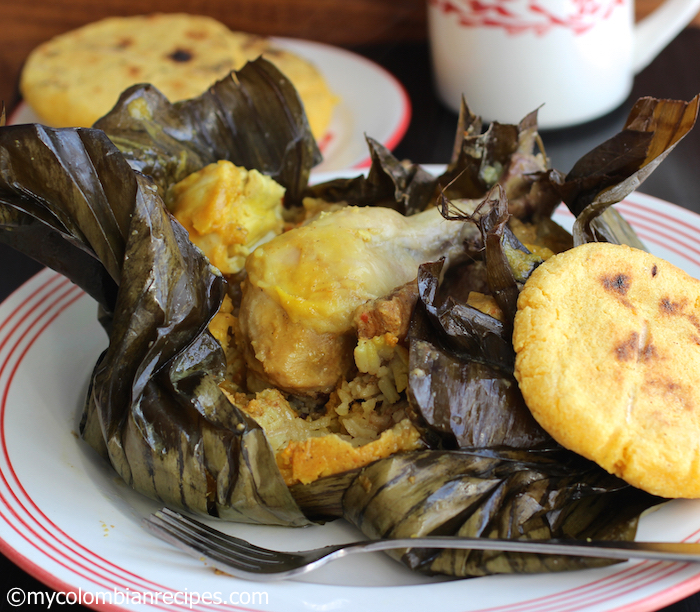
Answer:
[(608, 354), (77, 77)]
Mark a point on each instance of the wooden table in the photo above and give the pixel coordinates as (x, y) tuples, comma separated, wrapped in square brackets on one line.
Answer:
[(674, 74)]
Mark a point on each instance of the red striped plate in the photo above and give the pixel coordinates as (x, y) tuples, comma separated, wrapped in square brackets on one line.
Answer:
[(67, 519)]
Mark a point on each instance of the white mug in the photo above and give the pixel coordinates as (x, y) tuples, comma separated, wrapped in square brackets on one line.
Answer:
[(575, 60)]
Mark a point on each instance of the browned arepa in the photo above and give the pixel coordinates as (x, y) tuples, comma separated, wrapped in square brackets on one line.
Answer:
[(608, 354)]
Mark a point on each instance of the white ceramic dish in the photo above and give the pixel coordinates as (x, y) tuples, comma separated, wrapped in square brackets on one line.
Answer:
[(68, 520), (372, 101)]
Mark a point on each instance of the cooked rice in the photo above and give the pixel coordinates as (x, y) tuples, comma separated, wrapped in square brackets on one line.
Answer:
[(353, 420)]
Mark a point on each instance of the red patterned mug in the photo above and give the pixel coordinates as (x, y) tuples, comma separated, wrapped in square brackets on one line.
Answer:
[(573, 59)]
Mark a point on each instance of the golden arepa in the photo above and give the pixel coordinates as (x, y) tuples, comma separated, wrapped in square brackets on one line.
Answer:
[(607, 342), (75, 78)]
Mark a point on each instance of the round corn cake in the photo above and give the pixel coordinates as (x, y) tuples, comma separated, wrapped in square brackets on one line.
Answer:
[(75, 78), (607, 342)]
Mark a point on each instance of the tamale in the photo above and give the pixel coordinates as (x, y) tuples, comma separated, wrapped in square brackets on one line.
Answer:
[(90, 204)]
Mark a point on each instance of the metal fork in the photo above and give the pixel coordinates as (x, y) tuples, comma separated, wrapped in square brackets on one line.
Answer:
[(242, 559)]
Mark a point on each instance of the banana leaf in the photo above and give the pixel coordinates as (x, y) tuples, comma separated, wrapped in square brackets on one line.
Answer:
[(155, 409), (614, 169), (403, 186), (511, 155), (70, 199), (469, 403), (253, 118), (461, 383), (56, 190), (466, 331), (508, 262), (516, 494)]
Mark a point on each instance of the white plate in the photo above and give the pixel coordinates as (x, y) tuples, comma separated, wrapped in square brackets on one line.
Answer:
[(68, 520), (372, 102)]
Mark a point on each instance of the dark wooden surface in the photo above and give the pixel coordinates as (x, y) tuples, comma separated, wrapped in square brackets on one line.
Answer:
[(674, 74)]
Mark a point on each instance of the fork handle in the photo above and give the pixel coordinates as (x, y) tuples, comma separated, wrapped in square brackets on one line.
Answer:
[(688, 552)]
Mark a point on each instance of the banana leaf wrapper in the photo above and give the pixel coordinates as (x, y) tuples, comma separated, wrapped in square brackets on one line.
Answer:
[(72, 200), (253, 118), (155, 409), (467, 332), (513, 156), (617, 167), (509, 155), (508, 262), (461, 360), (56, 190), (469, 403), (403, 186), (515, 494)]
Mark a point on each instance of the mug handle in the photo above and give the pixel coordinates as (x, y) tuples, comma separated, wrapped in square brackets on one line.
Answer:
[(659, 28)]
